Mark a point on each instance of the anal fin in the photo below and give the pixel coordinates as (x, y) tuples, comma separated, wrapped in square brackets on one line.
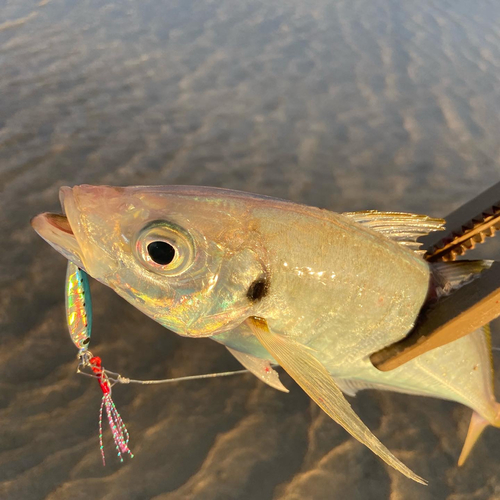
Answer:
[(261, 368), (351, 386), (346, 386)]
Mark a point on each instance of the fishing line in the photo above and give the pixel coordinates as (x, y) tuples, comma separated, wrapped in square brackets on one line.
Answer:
[(117, 378)]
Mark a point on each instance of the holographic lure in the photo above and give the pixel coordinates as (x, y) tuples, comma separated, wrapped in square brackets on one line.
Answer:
[(79, 319), (78, 307)]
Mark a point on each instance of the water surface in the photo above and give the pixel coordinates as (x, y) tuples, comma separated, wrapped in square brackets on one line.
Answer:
[(341, 104)]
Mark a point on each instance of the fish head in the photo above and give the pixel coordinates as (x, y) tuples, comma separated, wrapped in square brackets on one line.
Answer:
[(186, 257)]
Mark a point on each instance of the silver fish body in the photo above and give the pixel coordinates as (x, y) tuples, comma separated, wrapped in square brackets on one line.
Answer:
[(336, 286)]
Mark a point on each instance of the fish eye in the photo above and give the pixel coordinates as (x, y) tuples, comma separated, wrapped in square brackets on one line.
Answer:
[(164, 248), (161, 252)]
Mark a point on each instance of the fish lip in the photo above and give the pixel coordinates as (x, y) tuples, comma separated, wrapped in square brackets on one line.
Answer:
[(57, 230)]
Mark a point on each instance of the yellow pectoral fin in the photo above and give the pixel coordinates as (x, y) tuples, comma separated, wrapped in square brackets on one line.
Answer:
[(314, 378)]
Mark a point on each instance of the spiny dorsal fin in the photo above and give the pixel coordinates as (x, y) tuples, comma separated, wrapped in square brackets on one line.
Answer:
[(401, 227)]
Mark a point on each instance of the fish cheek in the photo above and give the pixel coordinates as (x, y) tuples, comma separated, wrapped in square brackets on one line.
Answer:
[(240, 284)]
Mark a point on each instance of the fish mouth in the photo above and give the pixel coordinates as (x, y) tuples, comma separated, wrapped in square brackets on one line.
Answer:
[(57, 229)]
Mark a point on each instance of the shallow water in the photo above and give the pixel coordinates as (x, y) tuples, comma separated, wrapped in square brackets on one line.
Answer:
[(341, 104)]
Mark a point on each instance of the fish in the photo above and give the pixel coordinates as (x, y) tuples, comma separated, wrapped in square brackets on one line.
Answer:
[(280, 283)]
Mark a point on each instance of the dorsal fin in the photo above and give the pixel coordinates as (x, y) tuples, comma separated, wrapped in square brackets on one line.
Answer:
[(401, 227), (450, 276)]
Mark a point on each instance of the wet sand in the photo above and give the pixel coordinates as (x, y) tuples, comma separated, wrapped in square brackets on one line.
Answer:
[(345, 105)]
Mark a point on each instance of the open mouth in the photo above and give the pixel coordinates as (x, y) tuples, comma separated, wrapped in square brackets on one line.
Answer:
[(59, 222), (56, 230)]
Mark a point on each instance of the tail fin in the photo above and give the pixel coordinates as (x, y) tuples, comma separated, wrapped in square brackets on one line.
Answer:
[(477, 422), (476, 428)]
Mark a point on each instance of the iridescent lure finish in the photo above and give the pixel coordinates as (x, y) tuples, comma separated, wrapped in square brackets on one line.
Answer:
[(78, 306)]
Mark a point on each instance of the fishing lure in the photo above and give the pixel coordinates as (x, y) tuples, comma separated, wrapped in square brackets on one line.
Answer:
[(78, 307), (79, 319), (118, 428)]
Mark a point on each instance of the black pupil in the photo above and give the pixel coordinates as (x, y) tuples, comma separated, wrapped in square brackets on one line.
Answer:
[(161, 252)]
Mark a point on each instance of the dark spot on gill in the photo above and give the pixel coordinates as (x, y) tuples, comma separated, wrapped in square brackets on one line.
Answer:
[(258, 289)]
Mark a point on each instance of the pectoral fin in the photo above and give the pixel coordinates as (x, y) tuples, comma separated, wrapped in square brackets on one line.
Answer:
[(261, 368), (313, 377)]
